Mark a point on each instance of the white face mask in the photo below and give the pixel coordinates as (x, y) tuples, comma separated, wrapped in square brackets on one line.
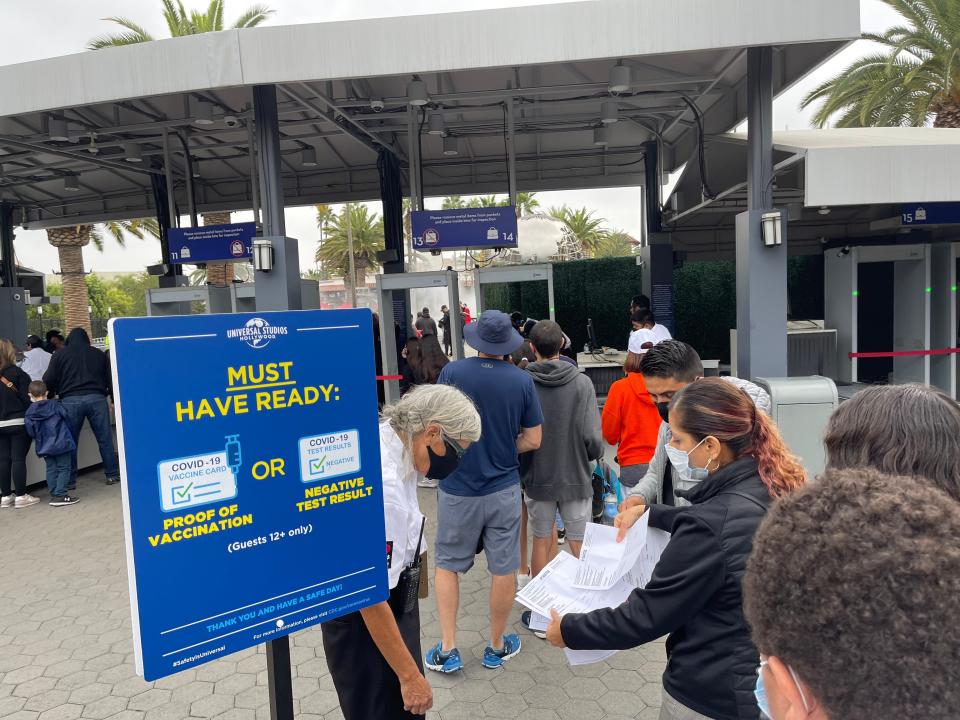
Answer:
[(689, 476)]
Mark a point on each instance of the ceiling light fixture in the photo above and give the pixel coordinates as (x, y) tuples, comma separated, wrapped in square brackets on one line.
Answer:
[(71, 183), (57, 129), (417, 92), (451, 146), (600, 137), (133, 151), (435, 124), (309, 157), (619, 79), (609, 113), (202, 112)]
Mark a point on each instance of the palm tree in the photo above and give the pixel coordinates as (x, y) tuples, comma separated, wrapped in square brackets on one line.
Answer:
[(217, 273), (367, 231), (69, 242), (239, 271), (615, 243), (526, 203), (324, 215), (913, 79), (484, 201), (118, 229), (453, 202), (180, 22), (582, 224)]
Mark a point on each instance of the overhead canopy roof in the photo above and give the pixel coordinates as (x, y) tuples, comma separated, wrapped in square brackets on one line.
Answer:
[(838, 183), (552, 60)]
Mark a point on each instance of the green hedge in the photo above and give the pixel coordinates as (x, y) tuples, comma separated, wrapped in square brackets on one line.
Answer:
[(705, 299), (599, 289)]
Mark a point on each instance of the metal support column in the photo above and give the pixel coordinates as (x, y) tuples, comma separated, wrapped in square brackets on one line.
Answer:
[(188, 175), (511, 155), (172, 278), (254, 180), (278, 289), (657, 255), (8, 275), (761, 270), (168, 174)]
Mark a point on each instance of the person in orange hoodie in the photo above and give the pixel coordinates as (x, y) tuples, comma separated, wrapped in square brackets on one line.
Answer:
[(630, 418)]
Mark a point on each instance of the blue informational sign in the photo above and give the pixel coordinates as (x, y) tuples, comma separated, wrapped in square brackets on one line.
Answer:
[(212, 243), (250, 463), (465, 228), (946, 213)]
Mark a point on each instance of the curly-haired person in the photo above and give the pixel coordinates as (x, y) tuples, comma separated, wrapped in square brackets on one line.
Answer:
[(853, 595)]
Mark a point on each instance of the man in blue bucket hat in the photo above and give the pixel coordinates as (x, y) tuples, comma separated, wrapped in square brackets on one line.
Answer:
[(479, 500)]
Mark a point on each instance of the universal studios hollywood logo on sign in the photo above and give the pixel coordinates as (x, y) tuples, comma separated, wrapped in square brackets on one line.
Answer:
[(257, 333)]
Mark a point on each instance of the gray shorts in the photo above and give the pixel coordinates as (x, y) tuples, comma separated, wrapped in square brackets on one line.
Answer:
[(463, 521), (543, 513)]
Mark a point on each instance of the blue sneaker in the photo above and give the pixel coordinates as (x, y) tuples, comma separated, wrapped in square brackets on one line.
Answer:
[(437, 660), (494, 659)]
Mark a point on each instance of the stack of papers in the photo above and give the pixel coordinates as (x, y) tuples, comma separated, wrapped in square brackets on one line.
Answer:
[(604, 576)]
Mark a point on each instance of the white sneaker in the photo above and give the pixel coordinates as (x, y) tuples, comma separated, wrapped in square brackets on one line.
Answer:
[(25, 501), (522, 580), (426, 482), (7, 501)]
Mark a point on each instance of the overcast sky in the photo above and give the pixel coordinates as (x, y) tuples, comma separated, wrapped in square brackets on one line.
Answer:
[(59, 27)]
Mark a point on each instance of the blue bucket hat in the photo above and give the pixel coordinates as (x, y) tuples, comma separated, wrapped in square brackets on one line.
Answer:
[(492, 333)]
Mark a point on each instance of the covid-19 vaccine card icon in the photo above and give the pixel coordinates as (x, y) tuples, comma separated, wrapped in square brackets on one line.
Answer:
[(327, 456), (186, 482)]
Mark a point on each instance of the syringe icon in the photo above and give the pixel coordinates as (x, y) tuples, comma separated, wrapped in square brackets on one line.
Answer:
[(233, 454)]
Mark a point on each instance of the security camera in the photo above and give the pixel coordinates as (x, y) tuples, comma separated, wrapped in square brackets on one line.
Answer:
[(231, 121), (376, 104)]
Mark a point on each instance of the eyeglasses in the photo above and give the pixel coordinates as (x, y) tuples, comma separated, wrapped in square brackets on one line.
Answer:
[(457, 447)]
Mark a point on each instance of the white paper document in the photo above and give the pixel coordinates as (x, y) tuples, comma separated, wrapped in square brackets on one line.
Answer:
[(604, 561), (604, 577), (553, 589), (639, 575)]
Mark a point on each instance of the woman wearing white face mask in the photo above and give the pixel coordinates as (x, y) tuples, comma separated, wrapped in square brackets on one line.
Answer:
[(735, 463), (374, 654)]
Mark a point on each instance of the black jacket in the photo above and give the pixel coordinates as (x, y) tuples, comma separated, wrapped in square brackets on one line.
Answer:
[(14, 399), (695, 596), (79, 368)]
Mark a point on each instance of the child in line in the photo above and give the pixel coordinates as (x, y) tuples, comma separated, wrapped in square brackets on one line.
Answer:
[(46, 422)]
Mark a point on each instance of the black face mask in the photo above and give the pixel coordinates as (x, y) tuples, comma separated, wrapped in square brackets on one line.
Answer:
[(443, 465), (664, 409)]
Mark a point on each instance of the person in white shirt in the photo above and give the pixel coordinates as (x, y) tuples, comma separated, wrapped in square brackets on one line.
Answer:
[(374, 654), (644, 319), (35, 358)]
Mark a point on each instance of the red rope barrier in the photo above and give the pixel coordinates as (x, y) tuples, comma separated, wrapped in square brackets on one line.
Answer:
[(389, 377), (904, 353)]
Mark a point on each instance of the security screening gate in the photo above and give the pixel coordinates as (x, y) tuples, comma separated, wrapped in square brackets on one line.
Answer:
[(945, 317), (513, 274), (879, 300), (390, 287)]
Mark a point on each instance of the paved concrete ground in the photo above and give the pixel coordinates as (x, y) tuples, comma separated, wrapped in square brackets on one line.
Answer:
[(66, 650)]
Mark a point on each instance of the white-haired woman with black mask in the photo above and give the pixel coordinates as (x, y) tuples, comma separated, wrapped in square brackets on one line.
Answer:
[(374, 654)]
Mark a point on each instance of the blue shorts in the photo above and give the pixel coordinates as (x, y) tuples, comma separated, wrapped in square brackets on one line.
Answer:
[(462, 522)]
